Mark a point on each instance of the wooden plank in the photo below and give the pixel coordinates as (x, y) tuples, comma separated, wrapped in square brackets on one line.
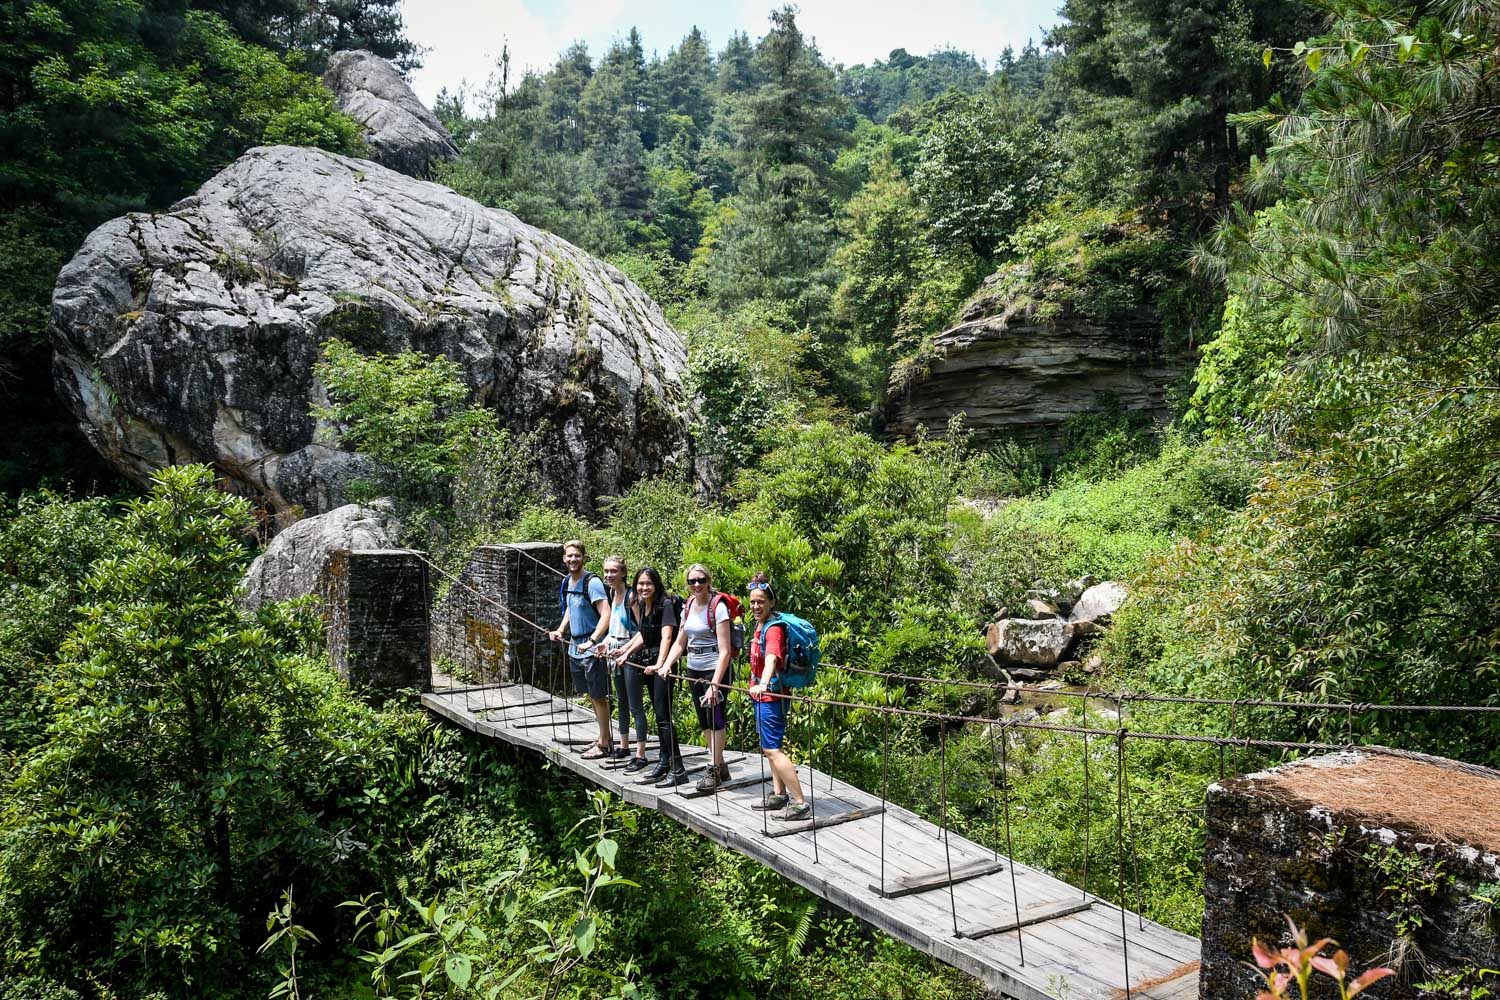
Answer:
[(937, 878), (728, 786), (787, 829), (1029, 916)]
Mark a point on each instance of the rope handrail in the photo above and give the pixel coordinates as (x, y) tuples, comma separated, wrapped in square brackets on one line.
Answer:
[(1332, 706), (1359, 708), (1036, 726)]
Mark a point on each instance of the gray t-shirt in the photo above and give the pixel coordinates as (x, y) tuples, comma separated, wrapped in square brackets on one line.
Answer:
[(702, 644)]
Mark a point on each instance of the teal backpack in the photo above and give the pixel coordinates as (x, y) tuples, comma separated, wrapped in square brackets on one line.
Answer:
[(803, 654)]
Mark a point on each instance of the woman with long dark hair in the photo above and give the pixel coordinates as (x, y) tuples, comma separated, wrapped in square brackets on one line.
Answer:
[(644, 660)]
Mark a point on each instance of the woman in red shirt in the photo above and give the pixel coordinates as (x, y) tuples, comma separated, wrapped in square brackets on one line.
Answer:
[(767, 655)]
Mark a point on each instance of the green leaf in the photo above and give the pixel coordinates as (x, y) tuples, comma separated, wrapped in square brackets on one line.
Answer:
[(1265, 57), (1405, 44), (1299, 48), (459, 970), (583, 936), (608, 849), (1314, 59)]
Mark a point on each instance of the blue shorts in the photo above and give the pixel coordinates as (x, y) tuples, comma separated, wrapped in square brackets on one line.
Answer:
[(770, 722)]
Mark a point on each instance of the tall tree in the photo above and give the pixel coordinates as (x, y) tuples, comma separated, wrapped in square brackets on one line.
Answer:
[(684, 80), (563, 91), (616, 98), (1188, 65), (790, 125)]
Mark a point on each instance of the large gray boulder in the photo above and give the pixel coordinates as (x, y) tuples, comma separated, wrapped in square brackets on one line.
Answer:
[(1030, 643), (191, 336), (1099, 603), (400, 130), (292, 563)]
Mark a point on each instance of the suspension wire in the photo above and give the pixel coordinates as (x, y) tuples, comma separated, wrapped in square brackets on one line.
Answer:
[(812, 786), (885, 782), (764, 829), (947, 854), (1120, 849), (1088, 802), (1246, 743), (995, 779), (1135, 858), (1334, 706), (1010, 847)]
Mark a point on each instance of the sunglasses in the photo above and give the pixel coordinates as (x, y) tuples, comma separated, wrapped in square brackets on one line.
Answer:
[(758, 586), (697, 580)]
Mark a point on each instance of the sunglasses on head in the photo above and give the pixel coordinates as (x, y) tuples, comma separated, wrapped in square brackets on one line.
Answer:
[(695, 580), (758, 586)]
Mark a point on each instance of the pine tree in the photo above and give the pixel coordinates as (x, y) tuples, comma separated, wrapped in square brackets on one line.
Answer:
[(685, 79)]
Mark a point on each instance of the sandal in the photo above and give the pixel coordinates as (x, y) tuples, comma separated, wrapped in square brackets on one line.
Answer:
[(598, 752)]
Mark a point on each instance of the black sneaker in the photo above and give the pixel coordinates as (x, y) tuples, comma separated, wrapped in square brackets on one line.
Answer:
[(636, 764), (673, 779), (709, 782), (619, 753), (771, 803), (660, 771)]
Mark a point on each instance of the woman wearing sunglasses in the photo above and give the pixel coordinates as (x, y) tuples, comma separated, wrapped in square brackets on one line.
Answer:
[(705, 638), (767, 655)]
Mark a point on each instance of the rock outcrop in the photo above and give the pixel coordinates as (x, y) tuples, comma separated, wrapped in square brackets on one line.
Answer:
[(400, 130), (292, 563), (190, 336), (1014, 374)]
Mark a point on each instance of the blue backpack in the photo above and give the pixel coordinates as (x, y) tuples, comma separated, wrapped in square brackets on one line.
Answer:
[(803, 654)]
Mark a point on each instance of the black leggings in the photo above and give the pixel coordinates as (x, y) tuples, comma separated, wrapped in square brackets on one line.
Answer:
[(661, 704), (630, 692)]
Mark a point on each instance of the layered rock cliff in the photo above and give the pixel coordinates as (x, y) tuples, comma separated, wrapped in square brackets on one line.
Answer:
[(1019, 365), (191, 335)]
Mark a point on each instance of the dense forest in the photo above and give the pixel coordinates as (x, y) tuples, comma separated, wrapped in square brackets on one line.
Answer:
[(1298, 197)]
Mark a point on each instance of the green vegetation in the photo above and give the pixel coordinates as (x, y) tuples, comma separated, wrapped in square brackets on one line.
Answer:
[(1306, 195)]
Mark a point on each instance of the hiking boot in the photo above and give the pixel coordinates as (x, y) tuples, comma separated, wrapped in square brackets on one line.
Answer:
[(709, 782), (771, 803), (636, 764), (673, 779), (723, 772), (793, 812)]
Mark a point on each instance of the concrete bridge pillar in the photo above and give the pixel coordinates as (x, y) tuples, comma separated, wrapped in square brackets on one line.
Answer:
[(481, 625), (1388, 855), (376, 605)]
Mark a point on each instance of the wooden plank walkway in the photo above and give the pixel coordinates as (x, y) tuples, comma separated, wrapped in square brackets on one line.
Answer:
[(1071, 951)]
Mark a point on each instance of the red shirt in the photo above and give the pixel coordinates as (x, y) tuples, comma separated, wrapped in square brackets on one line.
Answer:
[(776, 646)]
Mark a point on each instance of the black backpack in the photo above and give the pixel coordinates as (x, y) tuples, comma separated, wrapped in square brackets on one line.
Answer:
[(563, 591)]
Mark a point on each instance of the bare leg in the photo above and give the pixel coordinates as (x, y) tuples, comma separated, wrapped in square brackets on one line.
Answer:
[(785, 774), (716, 739), (601, 715)]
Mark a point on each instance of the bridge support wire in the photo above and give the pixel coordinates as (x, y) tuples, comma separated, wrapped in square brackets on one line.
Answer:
[(1088, 805), (1120, 849), (1135, 857), (1010, 848), (943, 818)]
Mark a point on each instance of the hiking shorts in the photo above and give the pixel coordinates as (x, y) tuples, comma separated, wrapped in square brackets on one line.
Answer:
[(770, 722), (710, 717), (590, 676)]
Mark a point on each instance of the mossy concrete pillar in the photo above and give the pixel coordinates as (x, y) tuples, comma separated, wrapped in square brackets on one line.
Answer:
[(489, 626), (1390, 856), (377, 607)]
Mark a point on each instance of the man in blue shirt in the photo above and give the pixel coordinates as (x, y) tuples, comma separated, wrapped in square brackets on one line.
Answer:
[(585, 622)]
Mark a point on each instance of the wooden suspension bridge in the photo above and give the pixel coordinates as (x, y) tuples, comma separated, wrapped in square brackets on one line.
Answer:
[(1021, 932)]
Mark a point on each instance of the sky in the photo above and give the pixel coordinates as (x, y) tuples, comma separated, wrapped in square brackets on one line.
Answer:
[(464, 37)]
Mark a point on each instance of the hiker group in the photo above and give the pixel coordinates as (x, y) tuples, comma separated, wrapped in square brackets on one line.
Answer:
[(629, 635)]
